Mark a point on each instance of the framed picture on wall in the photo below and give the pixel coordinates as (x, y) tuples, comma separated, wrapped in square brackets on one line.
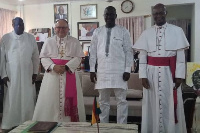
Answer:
[(60, 12), (86, 48), (86, 29), (88, 11)]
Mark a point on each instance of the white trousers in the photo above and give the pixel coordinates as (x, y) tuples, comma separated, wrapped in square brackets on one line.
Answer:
[(122, 105)]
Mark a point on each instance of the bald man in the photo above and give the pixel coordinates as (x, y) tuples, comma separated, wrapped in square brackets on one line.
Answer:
[(111, 49), (20, 64), (162, 68), (60, 98)]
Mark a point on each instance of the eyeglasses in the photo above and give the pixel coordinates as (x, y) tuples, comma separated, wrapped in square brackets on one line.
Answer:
[(109, 14), (63, 28), (159, 13)]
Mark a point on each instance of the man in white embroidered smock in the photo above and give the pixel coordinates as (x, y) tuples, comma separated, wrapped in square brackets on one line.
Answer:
[(60, 98), (20, 65), (162, 68), (111, 47)]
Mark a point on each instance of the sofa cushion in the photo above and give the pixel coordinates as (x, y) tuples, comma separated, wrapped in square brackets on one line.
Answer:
[(134, 82), (131, 93), (88, 87)]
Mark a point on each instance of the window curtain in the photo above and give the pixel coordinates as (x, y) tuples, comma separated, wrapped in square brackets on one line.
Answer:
[(135, 25), (6, 17)]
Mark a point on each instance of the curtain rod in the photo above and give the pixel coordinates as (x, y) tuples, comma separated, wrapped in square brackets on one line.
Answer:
[(146, 16)]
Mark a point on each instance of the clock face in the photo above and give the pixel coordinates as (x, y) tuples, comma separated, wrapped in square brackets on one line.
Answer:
[(127, 6)]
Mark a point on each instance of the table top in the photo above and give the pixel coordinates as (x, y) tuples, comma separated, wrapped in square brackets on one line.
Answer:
[(83, 127)]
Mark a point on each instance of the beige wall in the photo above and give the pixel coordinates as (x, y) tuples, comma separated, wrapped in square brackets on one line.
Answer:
[(6, 6), (41, 16)]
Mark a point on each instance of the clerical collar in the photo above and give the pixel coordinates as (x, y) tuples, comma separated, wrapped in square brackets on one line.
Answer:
[(160, 27), (58, 38)]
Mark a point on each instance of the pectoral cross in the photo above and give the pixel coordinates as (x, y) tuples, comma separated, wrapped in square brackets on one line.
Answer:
[(62, 52)]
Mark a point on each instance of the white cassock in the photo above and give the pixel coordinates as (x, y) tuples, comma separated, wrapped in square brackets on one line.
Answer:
[(19, 60), (50, 103), (112, 48), (158, 103)]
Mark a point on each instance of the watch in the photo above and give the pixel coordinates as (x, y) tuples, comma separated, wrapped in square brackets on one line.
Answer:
[(127, 6)]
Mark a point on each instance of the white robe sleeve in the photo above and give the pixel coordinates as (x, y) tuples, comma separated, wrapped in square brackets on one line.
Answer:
[(3, 72), (74, 63), (143, 64), (93, 51), (127, 46), (180, 64), (47, 63), (35, 57)]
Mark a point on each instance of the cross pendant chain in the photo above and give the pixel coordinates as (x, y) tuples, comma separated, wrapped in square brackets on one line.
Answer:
[(158, 42), (62, 52)]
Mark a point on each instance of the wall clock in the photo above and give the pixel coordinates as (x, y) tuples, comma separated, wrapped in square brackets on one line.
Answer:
[(127, 6)]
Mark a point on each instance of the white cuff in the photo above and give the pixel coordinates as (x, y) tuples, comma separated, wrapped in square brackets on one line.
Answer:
[(51, 66), (128, 69), (92, 69)]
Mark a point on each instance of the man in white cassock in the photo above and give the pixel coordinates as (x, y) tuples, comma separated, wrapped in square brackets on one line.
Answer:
[(20, 64), (111, 47), (162, 68), (60, 98)]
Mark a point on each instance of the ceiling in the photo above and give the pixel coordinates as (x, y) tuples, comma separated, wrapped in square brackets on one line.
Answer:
[(29, 2)]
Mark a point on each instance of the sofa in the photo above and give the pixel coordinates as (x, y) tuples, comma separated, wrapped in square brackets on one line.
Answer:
[(134, 97)]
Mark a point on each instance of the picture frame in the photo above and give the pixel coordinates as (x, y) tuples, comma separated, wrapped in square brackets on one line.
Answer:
[(88, 11), (60, 12), (86, 48), (192, 67), (86, 29)]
